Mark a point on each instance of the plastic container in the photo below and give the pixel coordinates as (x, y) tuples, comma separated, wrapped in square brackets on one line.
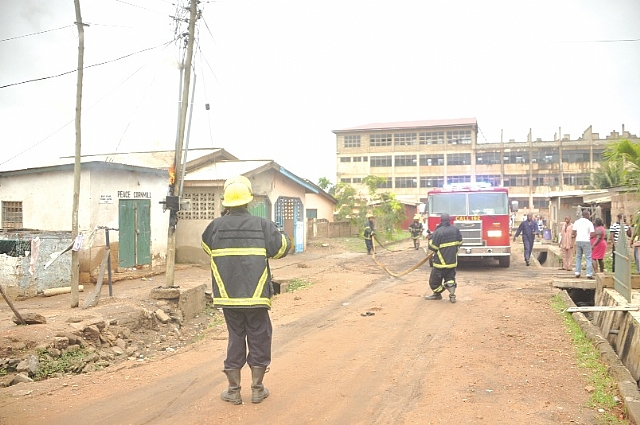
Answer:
[(546, 234)]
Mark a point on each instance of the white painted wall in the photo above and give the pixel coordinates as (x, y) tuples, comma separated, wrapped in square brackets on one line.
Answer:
[(47, 203)]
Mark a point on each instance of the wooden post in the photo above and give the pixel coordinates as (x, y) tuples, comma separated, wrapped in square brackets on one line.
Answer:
[(75, 261), (12, 307)]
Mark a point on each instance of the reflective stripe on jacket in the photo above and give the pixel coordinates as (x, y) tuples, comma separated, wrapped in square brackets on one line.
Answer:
[(369, 230), (445, 242), (239, 246)]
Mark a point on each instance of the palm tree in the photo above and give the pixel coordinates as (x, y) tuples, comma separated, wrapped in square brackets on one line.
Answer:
[(628, 154), (609, 174)]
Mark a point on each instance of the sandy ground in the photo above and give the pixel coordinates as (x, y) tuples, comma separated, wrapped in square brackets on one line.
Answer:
[(500, 355)]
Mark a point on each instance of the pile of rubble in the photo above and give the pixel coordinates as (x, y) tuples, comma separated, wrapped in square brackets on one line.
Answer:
[(93, 343)]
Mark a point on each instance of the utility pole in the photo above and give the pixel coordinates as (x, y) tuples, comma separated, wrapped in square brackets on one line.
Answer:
[(75, 261), (172, 202)]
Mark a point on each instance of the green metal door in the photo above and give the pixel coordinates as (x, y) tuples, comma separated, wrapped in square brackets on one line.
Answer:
[(259, 207), (134, 218)]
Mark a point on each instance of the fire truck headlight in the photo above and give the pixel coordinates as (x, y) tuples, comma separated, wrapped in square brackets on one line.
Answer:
[(494, 233)]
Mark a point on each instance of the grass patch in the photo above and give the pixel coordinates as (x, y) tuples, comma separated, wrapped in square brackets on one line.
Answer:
[(297, 284), (68, 362), (605, 390)]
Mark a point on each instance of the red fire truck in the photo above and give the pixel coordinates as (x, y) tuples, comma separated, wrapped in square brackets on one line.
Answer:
[(481, 212)]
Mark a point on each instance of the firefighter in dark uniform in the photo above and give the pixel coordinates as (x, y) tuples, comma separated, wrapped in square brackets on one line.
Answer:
[(239, 246), (416, 231), (445, 242), (369, 233)]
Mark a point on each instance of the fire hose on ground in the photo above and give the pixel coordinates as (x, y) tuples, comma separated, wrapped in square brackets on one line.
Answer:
[(409, 270)]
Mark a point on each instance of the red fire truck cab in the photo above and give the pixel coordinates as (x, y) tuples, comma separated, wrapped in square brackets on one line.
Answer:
[(481, 212)]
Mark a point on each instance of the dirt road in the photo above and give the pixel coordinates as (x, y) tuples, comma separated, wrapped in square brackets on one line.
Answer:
[(500, 355)]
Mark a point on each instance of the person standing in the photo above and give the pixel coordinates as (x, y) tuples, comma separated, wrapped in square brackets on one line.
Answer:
[(529, 230), (239, 246), (416, 231), (582, 231), (445, 242), (567, 244), (369, 233), (598, 245), (614, 232)]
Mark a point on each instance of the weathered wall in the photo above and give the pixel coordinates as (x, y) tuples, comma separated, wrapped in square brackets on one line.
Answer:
[(15, 277), (625, 338)]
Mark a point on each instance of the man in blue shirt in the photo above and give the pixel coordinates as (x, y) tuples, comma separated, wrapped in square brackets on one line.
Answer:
[(528, 229)]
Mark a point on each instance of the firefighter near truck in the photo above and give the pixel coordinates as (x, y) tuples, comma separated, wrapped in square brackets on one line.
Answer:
[(482, 214)]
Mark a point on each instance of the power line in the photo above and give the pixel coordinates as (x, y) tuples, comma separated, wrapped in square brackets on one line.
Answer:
[(86, 109), (86, 67), (35, 33)]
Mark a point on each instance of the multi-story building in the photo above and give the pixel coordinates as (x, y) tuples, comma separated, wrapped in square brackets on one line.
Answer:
[(418, 155)]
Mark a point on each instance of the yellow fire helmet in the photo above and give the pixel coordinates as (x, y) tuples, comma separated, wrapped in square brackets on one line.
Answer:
[(237, 191), (369, 215), (237, 179), (417, 217)]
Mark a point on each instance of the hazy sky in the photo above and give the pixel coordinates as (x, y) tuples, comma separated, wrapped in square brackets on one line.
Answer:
[(279, 76)]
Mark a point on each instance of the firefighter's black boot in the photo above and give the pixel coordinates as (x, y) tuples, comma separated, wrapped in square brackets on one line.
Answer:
[(434, 297), (258, 391), (451, 287), (232, 394)]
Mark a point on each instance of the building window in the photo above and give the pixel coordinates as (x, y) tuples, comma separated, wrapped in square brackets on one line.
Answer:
[(387, 184), (352, 141), (493, 179), (202, 206), (487, 158), (459, 179), (523, 203), (459, 137), (511, 181), (405, 139), (459, 159), (431, 137), (597, 155), (381, 139), (381, 161), (404, 182), (12, 215), (546, 180), (429, 160), (357, 180), (405, 161), (312, 213), (516, 157), (545, 156), (345, 180), (577, 179), (431, 181), (540, 203), (345, 159), (360, 159), (575, 156)]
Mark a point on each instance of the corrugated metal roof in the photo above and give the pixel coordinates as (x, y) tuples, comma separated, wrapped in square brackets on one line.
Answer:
[(224, 169), (412, 124), (150, 159)]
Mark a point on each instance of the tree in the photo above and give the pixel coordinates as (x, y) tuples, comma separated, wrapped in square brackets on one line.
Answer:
[(627, 154), (349, 203), (388, 211), (608, 175), (326, 185)]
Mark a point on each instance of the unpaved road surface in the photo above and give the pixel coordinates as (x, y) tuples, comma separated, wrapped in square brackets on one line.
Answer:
[(500, 355)]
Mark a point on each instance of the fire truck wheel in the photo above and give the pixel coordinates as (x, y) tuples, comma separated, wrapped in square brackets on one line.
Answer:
[(504, 261)]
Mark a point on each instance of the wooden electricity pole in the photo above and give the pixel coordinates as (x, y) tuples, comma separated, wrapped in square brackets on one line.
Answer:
[(177, 164), (75, 261)]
